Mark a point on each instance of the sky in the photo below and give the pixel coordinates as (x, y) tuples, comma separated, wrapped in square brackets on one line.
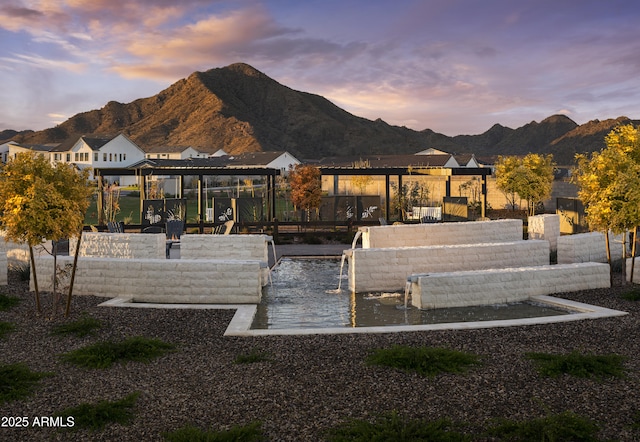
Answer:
[(452, 66)]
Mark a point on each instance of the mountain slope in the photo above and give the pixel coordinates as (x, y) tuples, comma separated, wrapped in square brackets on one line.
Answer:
[(239, 109)]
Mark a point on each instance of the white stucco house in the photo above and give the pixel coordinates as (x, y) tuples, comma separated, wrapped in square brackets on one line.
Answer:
[(4, 151), (273, 159), (175, 153)]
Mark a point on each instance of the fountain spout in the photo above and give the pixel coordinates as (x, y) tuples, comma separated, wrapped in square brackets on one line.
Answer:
[(342, 260)]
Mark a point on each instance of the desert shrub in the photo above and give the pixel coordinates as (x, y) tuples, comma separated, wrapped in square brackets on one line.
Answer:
[(18, 381), (97, 416), (426, 361), (105, 354), (579, 365), (391, 427), (239, 433), (80, 328), (561, 427)]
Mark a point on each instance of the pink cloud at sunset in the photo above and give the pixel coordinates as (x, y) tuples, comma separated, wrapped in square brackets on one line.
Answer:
[(456, 67)]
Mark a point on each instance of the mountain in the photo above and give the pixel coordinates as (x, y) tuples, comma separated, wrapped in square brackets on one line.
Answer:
[(239, 109)]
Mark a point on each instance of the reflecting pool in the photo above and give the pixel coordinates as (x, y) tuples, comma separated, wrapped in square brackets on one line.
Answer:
[(303, 295)]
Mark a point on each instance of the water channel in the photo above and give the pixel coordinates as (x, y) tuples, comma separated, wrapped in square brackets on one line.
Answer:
[(303, 295)]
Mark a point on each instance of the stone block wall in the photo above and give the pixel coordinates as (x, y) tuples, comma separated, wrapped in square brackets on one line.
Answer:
[(387, 269), (485, 287), (588, 247), (162, 280), (225, 247), (412, 235), (121, 245), (11, 254), (545, 227)]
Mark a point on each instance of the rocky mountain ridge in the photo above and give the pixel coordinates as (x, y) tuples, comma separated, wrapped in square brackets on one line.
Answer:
[(239, 109)]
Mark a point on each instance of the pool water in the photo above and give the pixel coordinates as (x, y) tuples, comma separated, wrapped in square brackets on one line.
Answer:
[(303, 295)]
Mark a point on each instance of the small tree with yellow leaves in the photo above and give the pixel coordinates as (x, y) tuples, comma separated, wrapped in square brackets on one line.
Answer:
[(43, 202), (609, 185), (530, 177)]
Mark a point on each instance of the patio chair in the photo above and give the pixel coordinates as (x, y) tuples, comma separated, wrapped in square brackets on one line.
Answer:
[(174, 230), (115, 226), (223, 229), (153, 229)]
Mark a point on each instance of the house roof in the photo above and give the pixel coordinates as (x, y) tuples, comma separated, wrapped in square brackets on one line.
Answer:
[(166, 149), (254, 158), (52, 147), (377, 161)]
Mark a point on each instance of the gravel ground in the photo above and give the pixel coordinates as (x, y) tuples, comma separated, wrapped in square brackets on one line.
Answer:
[(312, 383)]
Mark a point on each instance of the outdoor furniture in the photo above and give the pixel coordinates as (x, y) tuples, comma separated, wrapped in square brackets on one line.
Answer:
[(153, 229), (115, 226), (223, 229), (174, 230)]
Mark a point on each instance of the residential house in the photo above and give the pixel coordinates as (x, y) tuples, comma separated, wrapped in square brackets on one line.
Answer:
[(4, 151), (272, 159), (175, 153)]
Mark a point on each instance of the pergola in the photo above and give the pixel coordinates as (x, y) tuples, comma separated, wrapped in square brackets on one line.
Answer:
[(399, 172), (198, 167)]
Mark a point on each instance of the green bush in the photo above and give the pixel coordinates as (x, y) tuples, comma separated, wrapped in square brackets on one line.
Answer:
[(253, 356), (18, 381), (423, 360), (5, 327), (391, 427), (6, 302), (579, 365), (633, 294), (105, 354), (80, 328), (247, 433), (97, 416), (562, 427)]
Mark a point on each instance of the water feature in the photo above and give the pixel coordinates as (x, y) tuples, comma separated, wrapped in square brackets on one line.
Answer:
[(342, 261), (301, 296)]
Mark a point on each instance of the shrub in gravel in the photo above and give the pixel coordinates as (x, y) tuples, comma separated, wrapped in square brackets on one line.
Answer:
[(565, 426), (6, 302), (426, 361), (6, 327), (245, 433), (392, 427), (80, 328), (18, 381), (105, 354), (253, 356), (633, 294), (97, 416), (579, 365)]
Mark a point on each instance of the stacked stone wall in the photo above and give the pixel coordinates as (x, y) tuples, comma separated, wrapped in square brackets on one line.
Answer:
[(387, 269), (495, 286)]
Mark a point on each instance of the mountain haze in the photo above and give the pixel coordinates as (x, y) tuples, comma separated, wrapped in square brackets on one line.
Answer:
[(239, 109)]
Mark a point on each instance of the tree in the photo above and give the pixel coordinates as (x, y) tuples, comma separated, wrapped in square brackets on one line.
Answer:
[(609, 184), (43, 202), (530, 177), (306, 187)]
